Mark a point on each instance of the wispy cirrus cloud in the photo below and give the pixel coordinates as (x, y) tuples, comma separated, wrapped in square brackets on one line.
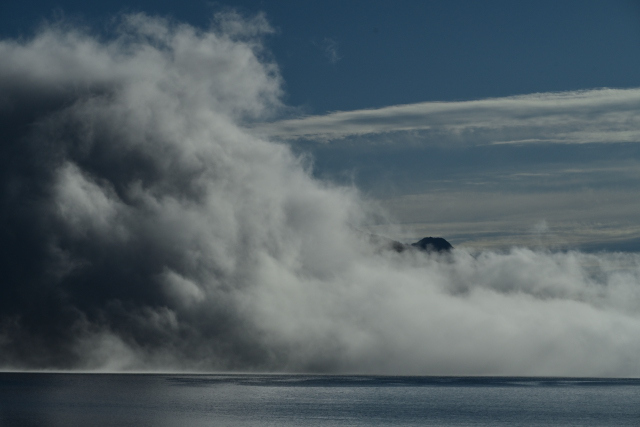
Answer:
[(577, 117), (330, 48)]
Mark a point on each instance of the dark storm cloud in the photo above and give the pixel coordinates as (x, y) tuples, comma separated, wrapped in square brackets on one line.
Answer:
[(107, 175), (143, 227)]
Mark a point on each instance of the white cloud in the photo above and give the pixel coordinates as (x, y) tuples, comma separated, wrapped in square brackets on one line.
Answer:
[(85, 207), (599, 115), (234, 256)]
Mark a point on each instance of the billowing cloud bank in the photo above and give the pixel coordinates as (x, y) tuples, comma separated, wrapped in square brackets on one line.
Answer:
[(144, 228)]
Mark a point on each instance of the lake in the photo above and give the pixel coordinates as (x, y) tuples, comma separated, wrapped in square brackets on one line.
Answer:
[(56, 399)]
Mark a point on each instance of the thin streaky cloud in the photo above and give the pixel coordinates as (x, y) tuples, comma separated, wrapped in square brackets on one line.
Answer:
[(590, 116)]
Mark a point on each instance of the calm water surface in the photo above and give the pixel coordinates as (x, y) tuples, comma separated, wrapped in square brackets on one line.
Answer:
[(288, 400)]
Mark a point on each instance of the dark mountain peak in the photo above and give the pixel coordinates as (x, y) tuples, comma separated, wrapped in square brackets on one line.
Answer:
[(428, 244), (433, 244)]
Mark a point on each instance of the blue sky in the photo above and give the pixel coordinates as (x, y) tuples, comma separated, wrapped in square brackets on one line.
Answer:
[(535, 169), (337, 55)]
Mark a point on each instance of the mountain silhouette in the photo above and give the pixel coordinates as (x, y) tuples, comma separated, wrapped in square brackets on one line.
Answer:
[(427, 244), (433, 244)]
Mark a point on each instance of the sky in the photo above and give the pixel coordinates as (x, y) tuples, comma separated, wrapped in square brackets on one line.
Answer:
[(435, 178), (193, 187), (371, 54)]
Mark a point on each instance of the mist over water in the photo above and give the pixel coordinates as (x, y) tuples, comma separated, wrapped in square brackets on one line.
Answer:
[(144, 227)]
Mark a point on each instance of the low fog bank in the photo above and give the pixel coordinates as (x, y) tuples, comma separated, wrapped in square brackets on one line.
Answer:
[(143, 227)]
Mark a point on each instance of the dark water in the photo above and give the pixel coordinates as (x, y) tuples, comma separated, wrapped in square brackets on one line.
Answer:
[(287, 400)]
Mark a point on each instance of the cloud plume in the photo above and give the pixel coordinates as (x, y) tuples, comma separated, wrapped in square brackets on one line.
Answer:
[(144, 226)]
